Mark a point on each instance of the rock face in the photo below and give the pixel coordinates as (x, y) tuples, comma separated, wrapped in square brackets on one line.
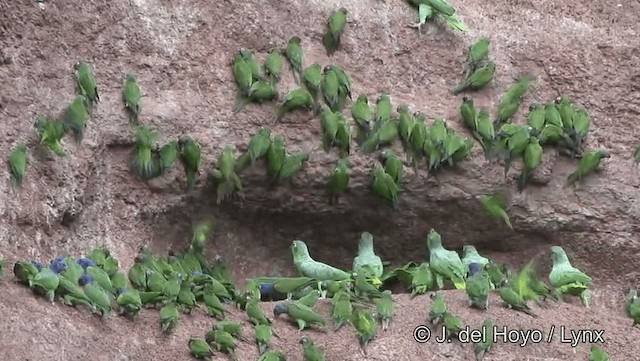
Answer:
[(181, 53)]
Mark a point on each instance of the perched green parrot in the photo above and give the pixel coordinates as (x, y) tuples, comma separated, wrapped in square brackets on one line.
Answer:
[(255, 313), (224, 342), (45, 282), (295, 56), (385, 307), (298, 98), (312, 80), (417, 139), (536, 117), (287, 285), (190, 155), (18, 163), (273, 356), (366, 327), (76, 116), (384, 185), (330, 86), (383, 109), (363, 287), (494, 205), (310, 299), (129, 302), (344, 81), (131, 96), (300, 314), (598, 354), (341, 309), (393, 166), (263, 91), (363, 116), (228, 181), (142, 163), (510, 102), (636, 156), (276, 154), (531, 161), (497, 274), (292, 164), (86, 82), (469, 114), (200, 349), (406, 122), (169, 317), (2, 265), (335, 27), (339, 179), (263, 335), (329, 123), (478, 286), (418, 279), (567, 279), (445, 264), (438, 309), (367, 262), (167, 156), (273, 65), (308, 267), (478, 52), (632, 306), (478, 79), (256, 71), (72, 294), (25, 272), (452, 324), (513, 300), (101, 278), (99, 297), (243, 78), (310, 351), (257, 148), (484, 346), (588, 164), (51, 133), (470, 255), (233, 328)]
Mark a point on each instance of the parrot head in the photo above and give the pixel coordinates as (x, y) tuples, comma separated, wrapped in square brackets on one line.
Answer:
[(604, 154), (326, 69), (86, 279), (295, 40), (304, 340), (120, 291), (402, 109), (343, 10), (86, 262), (366, 242), (38, 265), (383, 96), (434, 240), (534, 106), (78, 64), (266, 288), (57, 266), (466, 98), (183, 140), (474, 268), (558, 255), (130, 77), (245, 53), (279, 309)]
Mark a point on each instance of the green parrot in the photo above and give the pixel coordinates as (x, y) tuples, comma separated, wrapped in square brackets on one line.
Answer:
[(257, 148), (129, 302), (536, 117), (298, 98), (392, 165), (469, 114), (243, 78), (276, 154), (335, 27), (72, 294), (143, 164), (588, 164), (478, 52), (419, 279), (200, 233), (438, 308), (99, 297), (287, 285), (383, 133), (343, 136), (384, 185), (51, 133), (417, 139), (366, 327), (233, 328), (478, 79), (636, 156), (344, 81), (513, 300), (302, 315), (444, 263), (485, 346), (45, 282), (256, 71), (510, 102), (131, 96), (273, 65), (101, 278), (312, 80), (255, 313), (329, 123), (310, 351), (190, 155), (186, 298), (330, 86), (167, 156), (263, 91), (200, 349), (367, 262), (516, 143), (566, 110), (295, 56), (341, 308), (478, 286), (86, 82), (632, 306), (292, 164), (552, 115), (169, 317), (383, 109), (225, 174), (406, 122), (567, 279), (2, 265), (308, 267), (339, 179), (470, 255), (531, 161), (385, 307), (598, 354), (76, 116), (494, 205), (363, 116), (452, 324), (263, 335), (310, 299), (580, 129), (224, 342), (18, 163), (363, 287), (273, 356)]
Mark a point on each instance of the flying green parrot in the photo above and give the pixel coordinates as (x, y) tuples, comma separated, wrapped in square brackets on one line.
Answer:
[(384, 185), (478, 52), (513, 300), (308, 267), (190, 155), (86, 82), (200, 349), (76, 116), (51, 133), (273, 65), (484, 346), (310, 351), (132, 96), (588, 164), (470, 255), (295, 56), (335, 27), (478, 286), (298, 98), (339, 179), (531, 161), (494, 205), (480, 78), (300, 314), (367, 262), (438, 308), (385, 307), (567, 279), (445, 264), (341, 308), (598, 354), (366, 327), (18, 163), (263, 334), (143, 163)]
